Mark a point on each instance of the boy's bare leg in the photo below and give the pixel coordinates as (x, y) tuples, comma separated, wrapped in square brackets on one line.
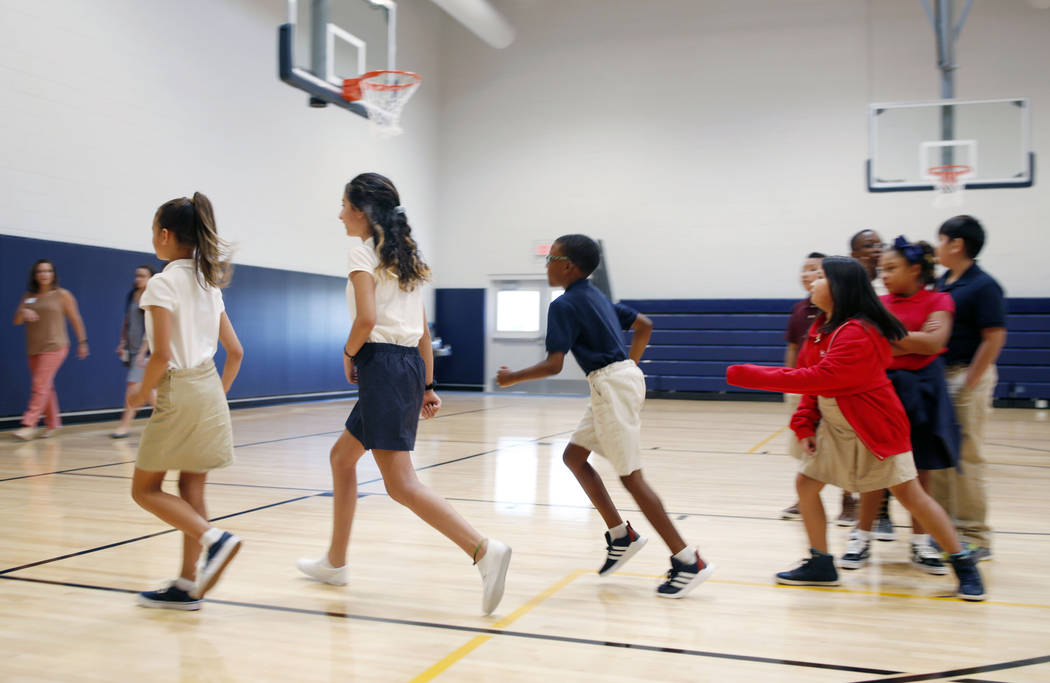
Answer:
[(575, 458), (653, 509)]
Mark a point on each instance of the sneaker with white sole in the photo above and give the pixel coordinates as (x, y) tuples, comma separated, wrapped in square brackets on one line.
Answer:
[(927, 559), (493, 568), (171, 597), (619, 550), (214, 560), (682, 578), (816, 570), (858, 552), (25, 433), (883, 529), (791, 513), (322, 570)]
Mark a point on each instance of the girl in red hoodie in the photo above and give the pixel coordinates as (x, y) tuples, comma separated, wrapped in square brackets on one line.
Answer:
[(850, 422)]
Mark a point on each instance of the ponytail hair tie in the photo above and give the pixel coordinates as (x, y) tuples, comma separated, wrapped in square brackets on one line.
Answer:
[(399, 210)]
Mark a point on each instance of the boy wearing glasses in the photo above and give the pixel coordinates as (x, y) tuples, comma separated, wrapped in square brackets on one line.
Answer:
[(585, 322)]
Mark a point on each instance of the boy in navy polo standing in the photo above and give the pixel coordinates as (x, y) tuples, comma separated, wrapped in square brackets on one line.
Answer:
[(977, 338), (584, 321)]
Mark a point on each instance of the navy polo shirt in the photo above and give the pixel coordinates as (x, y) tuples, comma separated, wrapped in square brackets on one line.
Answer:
[(584, 321), (979, 304)]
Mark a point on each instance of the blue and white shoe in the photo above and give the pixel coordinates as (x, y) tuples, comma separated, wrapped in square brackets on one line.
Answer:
[(683, 578), (171, 597), (619, 550), (213, 562)]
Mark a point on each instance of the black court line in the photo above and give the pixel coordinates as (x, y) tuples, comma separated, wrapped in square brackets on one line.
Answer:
[(495, 631), (315, 489), (683, 515), (72, 469), (1023, 448), (142, 538), (242, 445), (1015, 664)]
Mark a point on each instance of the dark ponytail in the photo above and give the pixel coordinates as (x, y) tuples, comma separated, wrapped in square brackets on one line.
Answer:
[(917, 254), (192, 221), (852, 297), (376, 197)]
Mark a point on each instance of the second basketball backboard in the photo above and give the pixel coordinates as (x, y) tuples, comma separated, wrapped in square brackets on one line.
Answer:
[(910, 141)]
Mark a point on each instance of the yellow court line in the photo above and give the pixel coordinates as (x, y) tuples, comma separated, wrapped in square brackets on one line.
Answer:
[(766, 440), (836, 589), (477, 641)]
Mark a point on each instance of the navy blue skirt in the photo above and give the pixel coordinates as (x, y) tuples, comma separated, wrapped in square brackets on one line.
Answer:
[(390, 381), (934, 429)]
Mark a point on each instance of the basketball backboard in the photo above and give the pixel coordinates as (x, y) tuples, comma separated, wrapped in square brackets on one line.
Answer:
[(910, 140), (325, 41)]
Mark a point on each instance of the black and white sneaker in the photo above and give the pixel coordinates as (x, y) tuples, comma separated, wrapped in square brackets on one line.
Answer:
[(683, 577), (171, 597), (619, 550), (213, 562), (924, 557), (858, 552)]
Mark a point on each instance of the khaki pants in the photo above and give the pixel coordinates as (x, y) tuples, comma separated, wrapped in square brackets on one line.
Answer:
[(964, 495)]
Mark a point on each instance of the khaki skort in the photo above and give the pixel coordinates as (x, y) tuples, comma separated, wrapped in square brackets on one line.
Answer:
[(190, 429), (843, 460)]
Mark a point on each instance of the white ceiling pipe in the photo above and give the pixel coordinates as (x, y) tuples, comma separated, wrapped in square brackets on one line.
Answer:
[(482, 19)]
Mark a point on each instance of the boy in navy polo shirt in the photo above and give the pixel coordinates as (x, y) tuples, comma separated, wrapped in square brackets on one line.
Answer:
[(584, 321), (978, 335)]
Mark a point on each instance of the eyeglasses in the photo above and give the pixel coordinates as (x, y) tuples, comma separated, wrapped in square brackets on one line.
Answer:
[(552, 257)]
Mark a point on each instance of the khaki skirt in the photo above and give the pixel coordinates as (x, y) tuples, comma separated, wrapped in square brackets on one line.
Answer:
[(843, 460), (190, 428)]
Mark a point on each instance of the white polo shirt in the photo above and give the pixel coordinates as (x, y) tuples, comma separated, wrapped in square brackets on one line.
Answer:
[(195, 313), (399, 314)]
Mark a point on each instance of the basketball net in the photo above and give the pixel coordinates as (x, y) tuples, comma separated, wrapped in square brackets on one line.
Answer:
[(384, 95), (949, 185)]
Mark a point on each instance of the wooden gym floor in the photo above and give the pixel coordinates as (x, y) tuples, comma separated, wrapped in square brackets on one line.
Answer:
[(74, 549)]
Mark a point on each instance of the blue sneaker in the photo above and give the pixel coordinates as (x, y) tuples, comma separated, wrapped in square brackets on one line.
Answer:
[(817, 570), (213, 562), (171, 597), (619, 550), (971, 587), (683, 577)]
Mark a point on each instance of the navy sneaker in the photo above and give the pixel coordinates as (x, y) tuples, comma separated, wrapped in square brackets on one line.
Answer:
[(683, 577), (171, 597), (971, 587), (926, 558), (619, 550), (979, 553), (817, 570), (858, 552), (214, 560)]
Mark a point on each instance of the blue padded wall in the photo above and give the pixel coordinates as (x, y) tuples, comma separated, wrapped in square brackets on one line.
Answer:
[(459, 319), (292, 325), (696, 339)]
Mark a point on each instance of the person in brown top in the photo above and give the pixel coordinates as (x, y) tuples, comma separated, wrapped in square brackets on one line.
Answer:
[(44, 310)]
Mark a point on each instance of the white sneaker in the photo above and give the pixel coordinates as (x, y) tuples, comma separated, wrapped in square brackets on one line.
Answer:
[(48, 433), (493, 568), (322, 570), (25, 433)]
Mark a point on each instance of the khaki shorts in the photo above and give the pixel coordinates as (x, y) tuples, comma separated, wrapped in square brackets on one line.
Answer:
[(190, 428), (844, 461), (612, 424), (794, 447)]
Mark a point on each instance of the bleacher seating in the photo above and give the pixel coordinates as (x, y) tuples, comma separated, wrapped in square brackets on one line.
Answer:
[(694, 340)]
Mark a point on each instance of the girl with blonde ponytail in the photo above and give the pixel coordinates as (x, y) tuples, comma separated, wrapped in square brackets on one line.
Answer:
[(190, 428), (389, 356)]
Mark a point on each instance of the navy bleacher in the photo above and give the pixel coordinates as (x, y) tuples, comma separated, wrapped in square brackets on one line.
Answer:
[(695, 340)]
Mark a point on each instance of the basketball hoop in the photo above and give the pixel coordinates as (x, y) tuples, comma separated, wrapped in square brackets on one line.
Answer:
[(948, 183), (383, 94)]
